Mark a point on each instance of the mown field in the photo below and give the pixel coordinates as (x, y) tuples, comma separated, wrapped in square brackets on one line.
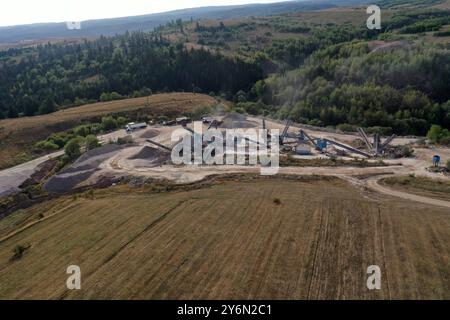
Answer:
[(229, 239), (433, 188), (18, 136)]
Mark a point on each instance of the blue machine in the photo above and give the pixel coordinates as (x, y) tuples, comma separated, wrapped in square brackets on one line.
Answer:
[(321, 144), (436, 160)]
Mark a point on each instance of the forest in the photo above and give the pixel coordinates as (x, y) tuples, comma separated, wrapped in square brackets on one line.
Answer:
[(402, 91), (37, 81), (330, 75)]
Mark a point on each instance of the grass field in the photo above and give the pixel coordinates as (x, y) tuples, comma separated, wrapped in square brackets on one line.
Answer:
[(438, 189), (263, 30), (261, 238), (18, 136)]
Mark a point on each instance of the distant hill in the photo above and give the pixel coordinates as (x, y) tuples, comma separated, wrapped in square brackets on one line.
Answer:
[(92, 28)]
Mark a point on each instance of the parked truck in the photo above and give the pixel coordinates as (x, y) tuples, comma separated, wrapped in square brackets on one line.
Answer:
[(134, 126)]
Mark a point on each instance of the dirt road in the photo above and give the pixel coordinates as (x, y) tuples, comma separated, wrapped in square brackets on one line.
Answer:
[(123, 163), (373, 184), (12, 178)]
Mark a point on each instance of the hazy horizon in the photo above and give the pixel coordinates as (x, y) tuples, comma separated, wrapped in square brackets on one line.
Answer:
[(22, 12)]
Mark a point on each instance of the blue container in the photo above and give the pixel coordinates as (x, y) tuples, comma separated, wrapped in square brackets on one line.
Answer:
[(436, 160)]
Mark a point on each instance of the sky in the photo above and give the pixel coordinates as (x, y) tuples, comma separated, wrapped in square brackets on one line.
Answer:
[(16, 12)]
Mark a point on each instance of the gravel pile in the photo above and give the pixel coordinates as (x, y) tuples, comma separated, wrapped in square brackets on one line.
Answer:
[(81, 169), (148, 134), (150, 157), (237, 121)]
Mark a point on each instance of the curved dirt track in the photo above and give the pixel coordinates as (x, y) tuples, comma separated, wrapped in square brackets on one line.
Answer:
[(373, 184), (120, 164), (196, 173)]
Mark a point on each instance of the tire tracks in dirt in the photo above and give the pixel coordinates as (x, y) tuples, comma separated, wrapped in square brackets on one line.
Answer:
[(374, 185), (383, 250), (316, 252), (31, 224), (125, 245)]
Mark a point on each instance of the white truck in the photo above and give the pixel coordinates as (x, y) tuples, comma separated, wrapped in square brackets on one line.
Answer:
[(134, 126)]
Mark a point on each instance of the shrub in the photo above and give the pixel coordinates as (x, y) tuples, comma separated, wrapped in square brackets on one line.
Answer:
[(73, 148), (104, 97), (115, 96), (83, 130), (62, 162), (445, 141), (47, 145), (434, 133), (18, 252), (125, 140), (345, 127), (239, 110), (437, 134), (240, 97), (146, 92), (121, 121), (277, 201), (89, 194), (380, 130), (201, 111), (406, 151), (60, 139), (109, 123), (254, 108), (91, 142)]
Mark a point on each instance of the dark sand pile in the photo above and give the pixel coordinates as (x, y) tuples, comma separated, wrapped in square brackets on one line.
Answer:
[(150, 133), (82, 169), (150, 157), (237, 121)]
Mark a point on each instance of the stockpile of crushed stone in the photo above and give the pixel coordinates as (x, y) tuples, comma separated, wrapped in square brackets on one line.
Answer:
[(150, 157), (148, 134), (81, 169), (237, 121)]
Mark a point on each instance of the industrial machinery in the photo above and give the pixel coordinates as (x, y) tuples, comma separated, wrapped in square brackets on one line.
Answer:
[(377, 148)]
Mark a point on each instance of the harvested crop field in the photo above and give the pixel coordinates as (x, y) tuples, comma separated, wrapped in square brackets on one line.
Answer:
[(18, 136), (261, 238), (422, 186)]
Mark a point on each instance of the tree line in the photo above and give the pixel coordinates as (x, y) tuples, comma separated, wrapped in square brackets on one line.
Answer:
[(40, 80), (404, 91)]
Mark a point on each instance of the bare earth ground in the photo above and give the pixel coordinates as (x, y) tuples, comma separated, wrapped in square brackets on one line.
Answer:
[(125, 163), (229, 240), (120, 164)]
